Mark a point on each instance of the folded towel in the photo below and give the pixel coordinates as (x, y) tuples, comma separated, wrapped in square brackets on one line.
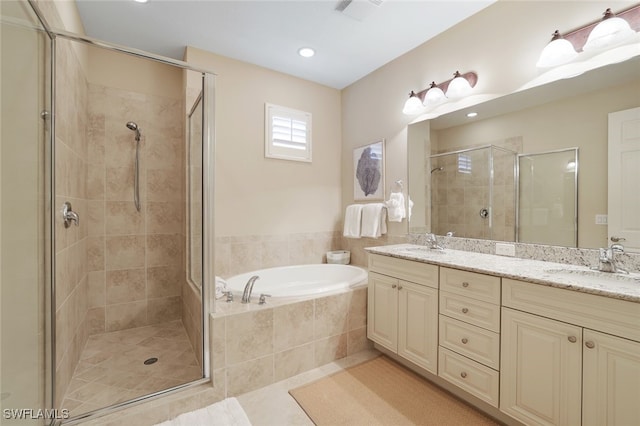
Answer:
[(395, 207), (374, 220), (221, 287), (352, 221)]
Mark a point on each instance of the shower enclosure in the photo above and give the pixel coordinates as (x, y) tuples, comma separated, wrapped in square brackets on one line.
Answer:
[(473, 193), (100, 311)]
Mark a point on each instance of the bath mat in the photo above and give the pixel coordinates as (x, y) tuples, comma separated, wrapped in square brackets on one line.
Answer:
[(228, 412), (382, 392)]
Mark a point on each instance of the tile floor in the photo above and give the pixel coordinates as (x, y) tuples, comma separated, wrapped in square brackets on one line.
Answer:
[(111, 367), (272, 405)]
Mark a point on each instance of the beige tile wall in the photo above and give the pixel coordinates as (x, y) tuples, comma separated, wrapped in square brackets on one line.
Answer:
[(252, 349), (135, 260), (71, 244)]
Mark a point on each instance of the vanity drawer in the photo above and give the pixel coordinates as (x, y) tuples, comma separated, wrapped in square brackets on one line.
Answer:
[(415, 272), (474, 378), (476, 312), (470, 284), (474, 342)]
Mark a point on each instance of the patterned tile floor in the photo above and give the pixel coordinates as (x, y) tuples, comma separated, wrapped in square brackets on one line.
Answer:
[(111, 367)]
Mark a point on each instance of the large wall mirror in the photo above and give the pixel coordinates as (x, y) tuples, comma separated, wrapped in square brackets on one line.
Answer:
[(569, 116)]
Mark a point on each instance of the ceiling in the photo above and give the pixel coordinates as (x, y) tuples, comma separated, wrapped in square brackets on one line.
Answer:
[(349, 44)]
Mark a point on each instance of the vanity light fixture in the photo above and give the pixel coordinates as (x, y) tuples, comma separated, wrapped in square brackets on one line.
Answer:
[(458, 87), (609, 32)]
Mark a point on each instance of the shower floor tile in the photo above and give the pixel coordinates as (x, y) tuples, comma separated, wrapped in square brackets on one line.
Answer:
[(112, 370)]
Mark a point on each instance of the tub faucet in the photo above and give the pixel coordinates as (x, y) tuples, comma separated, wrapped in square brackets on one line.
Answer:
[(607, 261), (248, 288)]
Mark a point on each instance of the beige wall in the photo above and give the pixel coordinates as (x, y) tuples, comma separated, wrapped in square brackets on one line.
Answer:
[(271, 212), (501, 43)]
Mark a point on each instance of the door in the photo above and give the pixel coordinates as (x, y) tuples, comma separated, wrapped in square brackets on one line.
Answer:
[(382, 310), (418, 325), (624, 185), (611, 382), (541, 374)]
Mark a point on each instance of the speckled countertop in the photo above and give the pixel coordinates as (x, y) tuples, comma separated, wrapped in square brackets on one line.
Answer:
[(571, 277)]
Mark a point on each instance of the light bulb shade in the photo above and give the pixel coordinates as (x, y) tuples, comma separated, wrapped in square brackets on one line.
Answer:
[(413, 105), (458, 88), (434, 96), (610, 32), (559, 51)]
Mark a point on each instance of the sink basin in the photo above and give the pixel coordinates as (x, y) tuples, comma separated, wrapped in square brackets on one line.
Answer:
[(596, 276)]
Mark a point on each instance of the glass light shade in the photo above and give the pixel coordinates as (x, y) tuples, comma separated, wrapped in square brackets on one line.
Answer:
[(557, 52), (434, 96), (609, 32), (413, 105), (458, 88)]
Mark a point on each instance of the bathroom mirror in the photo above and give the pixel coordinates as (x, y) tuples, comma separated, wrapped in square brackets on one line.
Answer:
[(568, 113)]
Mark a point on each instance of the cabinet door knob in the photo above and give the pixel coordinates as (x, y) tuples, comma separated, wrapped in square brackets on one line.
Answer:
[(465, 340), (589, 344), (465, 284), (399, 287), (465, 310), (393, 286), (572, 339), (463, 375)]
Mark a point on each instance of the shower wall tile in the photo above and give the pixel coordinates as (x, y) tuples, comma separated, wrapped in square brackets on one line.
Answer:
[(163, 281), (125, 286), (95, 183), (165, 250), (164, 309), (119, 183), (165, 217), (164, 184), (124, 252), (96, 289), (96, 253), (126, 315), (122, 218), (96, 218)]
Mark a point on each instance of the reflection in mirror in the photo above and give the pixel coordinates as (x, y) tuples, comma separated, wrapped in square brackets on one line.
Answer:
[(556, 116), (547, 198), (473, 193)]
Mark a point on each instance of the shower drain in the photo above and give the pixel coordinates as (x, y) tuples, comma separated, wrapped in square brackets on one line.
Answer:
[(150, 361)]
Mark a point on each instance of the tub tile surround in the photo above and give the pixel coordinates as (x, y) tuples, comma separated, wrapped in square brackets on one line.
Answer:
[(253, 345), (534, 271)]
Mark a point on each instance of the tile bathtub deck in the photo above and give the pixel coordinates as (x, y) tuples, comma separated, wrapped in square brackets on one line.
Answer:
[(111, 367)]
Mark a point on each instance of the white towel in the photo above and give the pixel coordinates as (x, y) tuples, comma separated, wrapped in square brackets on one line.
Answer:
[(352, 221), (395, 207), (374, 220), (221, 287), (227, 412)]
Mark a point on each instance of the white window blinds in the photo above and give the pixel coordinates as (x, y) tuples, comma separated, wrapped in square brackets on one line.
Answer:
[(287, 133)]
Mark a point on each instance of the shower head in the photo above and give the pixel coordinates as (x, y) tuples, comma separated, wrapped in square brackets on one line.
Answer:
[(133, 126), (437, 169)]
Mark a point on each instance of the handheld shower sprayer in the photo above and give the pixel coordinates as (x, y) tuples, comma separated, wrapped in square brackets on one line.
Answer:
[(136, 183)]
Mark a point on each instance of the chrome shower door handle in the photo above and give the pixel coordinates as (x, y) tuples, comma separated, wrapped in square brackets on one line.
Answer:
[(69, 216)]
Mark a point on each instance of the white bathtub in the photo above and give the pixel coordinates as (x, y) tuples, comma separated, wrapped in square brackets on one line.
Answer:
[(300, 280)]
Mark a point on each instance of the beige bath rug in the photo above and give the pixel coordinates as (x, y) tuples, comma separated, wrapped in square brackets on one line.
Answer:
[(382, 392)]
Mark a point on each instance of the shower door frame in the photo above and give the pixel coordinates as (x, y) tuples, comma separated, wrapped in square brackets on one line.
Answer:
[(208, 153)]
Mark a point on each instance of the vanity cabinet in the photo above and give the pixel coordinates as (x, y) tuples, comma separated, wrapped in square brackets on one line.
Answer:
[(569, 358), (469, 332), (403, 309)]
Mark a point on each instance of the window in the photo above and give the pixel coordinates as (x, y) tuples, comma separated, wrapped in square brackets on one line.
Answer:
[(287, 133), (464, 163)]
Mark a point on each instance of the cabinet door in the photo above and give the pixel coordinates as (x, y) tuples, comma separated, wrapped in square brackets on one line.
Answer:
[(611, 380), (382, 310), (541, 374), (418, 325)]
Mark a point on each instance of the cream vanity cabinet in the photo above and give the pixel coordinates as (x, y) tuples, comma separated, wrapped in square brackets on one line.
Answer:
[(469, 334), (569, 358), (402, 310)]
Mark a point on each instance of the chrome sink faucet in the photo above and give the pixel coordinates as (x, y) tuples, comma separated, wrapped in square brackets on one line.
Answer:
[(607, 259), (432, 241), (248, 288)]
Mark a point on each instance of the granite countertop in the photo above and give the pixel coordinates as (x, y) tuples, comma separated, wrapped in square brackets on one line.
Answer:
[(560, 275)]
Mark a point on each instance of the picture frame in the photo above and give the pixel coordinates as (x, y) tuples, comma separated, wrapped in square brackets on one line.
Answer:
[(368, 172)]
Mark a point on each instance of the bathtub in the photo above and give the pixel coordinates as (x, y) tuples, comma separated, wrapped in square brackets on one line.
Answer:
[(300, 280)]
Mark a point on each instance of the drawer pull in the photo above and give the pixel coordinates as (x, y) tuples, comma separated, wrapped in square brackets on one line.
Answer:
[(465, 310), (399, 287), (465, 340), (393, 286), (589, 344), (465, 284), (463, 375), (573, 339)]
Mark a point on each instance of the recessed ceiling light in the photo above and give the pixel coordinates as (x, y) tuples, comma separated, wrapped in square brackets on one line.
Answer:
[(141, 1), (306, 52), (472, 114)]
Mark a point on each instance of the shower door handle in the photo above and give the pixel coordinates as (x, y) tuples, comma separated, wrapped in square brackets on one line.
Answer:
[(69, 215)]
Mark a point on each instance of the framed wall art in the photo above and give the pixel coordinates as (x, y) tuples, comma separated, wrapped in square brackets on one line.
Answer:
[(368, 172)]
